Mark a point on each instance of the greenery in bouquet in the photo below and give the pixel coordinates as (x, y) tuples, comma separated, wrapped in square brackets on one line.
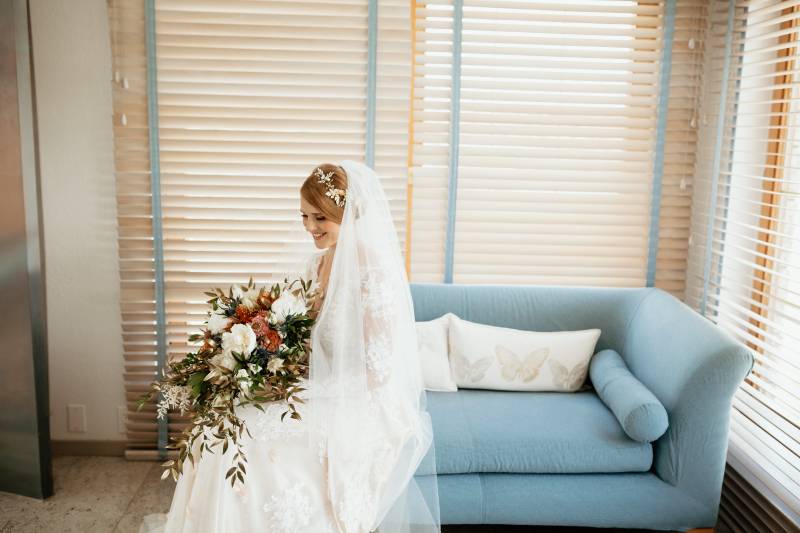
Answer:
[(255, 349)]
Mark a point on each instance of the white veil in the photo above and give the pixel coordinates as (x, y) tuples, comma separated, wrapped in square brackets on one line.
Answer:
[(366, 395)]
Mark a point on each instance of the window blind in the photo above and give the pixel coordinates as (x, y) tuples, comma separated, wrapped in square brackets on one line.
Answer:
[(745, 240), (680, 144), (556, 137), (430, 145), (251, 95), (134, 214)]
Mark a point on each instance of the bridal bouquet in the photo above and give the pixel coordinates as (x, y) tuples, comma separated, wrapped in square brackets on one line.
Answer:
[(255, 347)]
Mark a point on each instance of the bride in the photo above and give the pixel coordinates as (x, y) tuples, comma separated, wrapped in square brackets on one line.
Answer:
[(348, 465)]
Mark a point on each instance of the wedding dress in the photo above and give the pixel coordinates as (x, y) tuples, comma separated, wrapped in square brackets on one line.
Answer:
[(347, 465), (285, 488)]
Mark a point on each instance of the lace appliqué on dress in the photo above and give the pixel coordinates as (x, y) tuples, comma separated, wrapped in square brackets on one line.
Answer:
[(355, 504), (376, 354), (359, 499), (377, 294), (377, 298), (270, 427), (288, 511)]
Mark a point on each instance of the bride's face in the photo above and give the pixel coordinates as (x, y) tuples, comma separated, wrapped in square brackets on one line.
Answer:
[(322, 230)]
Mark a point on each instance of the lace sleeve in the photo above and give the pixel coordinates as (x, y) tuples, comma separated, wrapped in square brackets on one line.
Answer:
[(310, 271), (377, 299)]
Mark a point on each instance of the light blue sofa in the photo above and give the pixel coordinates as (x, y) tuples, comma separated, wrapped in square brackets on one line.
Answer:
[(563, 458)]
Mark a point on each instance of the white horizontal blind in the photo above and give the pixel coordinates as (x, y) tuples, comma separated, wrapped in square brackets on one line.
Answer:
[(680, 146), (515, 59), (251, 96), (745, 253), (433, 55), (134, 222), (393, 105), (557, 131), (558, 110)]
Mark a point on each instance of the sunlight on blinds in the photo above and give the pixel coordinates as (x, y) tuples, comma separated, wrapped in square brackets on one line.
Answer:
[(557, 132), (134, 215), (557, 121), (680, 144), (251, 96), (430, 151), (744, 262)]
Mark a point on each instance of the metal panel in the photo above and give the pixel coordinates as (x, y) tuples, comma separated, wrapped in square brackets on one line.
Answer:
[(25, 466)]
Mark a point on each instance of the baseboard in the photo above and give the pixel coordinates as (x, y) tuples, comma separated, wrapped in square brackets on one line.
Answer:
[(149, 455), (107, 448)]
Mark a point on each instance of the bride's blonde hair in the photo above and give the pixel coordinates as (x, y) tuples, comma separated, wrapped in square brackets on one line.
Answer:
[(314, 192)]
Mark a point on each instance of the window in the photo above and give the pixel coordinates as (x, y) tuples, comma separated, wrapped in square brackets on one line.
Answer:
[(745, 251), (552, 109), (250, 95)]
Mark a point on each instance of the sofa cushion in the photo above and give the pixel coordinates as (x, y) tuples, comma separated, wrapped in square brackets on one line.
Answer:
[(638, 411), (483, 356), (434, 353), (530, 432)]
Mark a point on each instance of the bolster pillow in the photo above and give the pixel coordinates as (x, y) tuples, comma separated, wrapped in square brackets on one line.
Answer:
[(639, 412)]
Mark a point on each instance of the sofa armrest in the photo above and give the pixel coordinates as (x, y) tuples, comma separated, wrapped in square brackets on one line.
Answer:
[(694, 368)]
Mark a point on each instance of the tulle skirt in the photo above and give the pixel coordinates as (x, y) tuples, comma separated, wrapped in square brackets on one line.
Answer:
[(285, 489)]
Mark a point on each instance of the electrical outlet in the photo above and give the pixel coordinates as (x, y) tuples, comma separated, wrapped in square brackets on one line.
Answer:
[(76, 418), (122, 418)]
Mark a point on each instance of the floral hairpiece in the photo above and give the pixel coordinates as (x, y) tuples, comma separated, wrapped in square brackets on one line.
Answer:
[(337, 195)]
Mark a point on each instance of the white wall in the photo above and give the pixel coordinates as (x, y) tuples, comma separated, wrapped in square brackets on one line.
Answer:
[(72, 64)]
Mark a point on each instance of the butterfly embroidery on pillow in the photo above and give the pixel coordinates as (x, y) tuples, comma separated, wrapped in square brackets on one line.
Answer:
[(425, 340), (513, 366), (568, 379), (470, 372)]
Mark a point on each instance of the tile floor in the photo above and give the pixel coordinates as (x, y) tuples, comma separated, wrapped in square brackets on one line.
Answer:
[(92, 494), (111, 494)]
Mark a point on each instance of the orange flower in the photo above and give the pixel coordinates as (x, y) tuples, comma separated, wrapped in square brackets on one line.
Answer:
[(264, 299), (274, 340), (244, 314)]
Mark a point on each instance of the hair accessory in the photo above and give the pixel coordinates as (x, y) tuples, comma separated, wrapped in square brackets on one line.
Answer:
[(337, 195)]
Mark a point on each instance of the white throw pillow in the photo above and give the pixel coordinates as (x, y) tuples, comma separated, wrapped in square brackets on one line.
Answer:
[(493, 357), (433, 354)]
